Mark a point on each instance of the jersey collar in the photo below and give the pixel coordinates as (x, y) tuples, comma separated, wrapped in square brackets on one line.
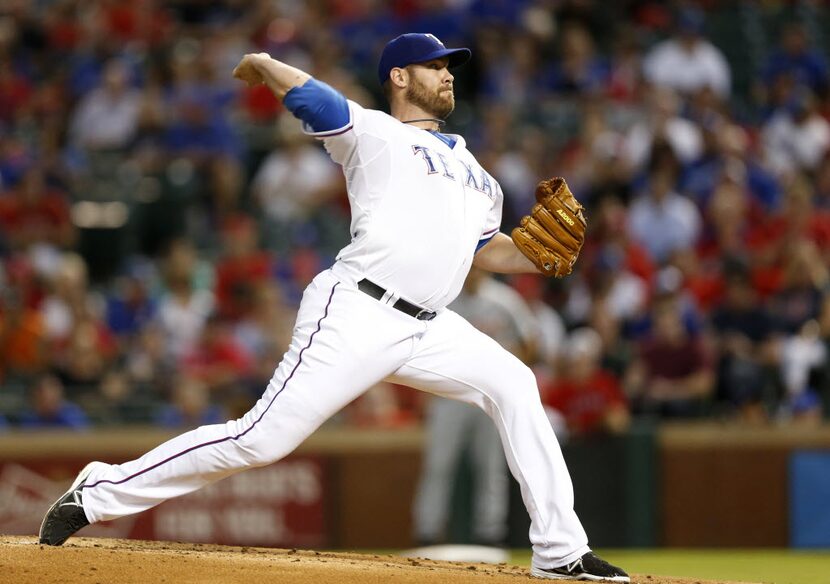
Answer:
[(449, 139)]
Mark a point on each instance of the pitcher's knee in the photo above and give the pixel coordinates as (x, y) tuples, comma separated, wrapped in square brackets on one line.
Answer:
[(520, 389), (260, 449)]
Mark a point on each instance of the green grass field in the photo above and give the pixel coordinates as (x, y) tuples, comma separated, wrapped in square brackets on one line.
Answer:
[(757, 565)]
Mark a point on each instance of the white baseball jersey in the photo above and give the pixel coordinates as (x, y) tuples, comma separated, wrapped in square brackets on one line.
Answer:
[(419, 206)]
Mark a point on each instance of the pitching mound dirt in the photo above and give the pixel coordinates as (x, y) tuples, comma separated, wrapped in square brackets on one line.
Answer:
[(109, 561)]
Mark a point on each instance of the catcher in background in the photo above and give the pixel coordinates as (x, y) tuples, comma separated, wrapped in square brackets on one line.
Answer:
[(423, 212)]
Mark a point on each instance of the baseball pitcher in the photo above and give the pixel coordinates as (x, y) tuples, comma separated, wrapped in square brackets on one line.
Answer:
[(423, 212)]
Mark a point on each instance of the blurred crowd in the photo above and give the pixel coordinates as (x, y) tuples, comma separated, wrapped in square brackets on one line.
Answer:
[(159, 221)]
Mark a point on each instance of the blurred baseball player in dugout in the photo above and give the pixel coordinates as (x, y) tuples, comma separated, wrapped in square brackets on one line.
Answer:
[(423, 212)]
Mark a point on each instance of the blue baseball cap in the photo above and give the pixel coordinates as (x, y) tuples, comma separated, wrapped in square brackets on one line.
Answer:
[(415, 47)]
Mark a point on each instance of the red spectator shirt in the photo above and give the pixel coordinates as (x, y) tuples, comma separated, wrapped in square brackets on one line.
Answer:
[(674, 361), (232, 273), (225, 354), (50, 212), (585, 403)]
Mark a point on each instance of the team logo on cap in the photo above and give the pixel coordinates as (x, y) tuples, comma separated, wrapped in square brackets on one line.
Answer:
[(433, 37)]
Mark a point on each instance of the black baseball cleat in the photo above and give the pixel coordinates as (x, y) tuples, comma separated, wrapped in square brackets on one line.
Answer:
[(66, 515), (588, 567)]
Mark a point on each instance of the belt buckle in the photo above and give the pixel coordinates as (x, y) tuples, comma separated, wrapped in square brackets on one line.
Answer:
[(425, 314)]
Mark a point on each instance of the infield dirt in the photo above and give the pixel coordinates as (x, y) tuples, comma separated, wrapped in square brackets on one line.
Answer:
[(110, 561)]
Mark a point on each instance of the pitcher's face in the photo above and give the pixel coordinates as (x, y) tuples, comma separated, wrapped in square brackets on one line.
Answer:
[(430, 87)]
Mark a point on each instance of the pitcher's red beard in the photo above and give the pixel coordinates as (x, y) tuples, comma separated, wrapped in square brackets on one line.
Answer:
[(439, 104)]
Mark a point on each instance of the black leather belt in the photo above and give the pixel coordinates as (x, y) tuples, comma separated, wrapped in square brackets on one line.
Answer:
[(376, 292)]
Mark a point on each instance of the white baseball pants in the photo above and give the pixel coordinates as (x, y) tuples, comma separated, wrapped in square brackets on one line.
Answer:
[(344, 342)]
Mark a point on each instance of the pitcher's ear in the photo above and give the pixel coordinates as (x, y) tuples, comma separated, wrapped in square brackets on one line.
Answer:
[(399, 76)]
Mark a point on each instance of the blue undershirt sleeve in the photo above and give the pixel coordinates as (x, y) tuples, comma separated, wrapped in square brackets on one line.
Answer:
[(319, 106), (484, 241)]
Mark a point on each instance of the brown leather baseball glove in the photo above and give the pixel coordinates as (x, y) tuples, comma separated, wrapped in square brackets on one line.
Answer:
[(552, 235)]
